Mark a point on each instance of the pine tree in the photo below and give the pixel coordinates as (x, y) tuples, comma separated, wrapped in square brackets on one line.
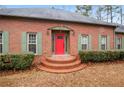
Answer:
[(121, 14), (85, 10), (109, 13)]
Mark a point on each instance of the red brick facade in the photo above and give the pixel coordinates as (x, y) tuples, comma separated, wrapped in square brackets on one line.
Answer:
[(15, 27)]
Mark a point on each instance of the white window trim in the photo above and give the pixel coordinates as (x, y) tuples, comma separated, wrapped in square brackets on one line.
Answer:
[(105, 42), (87, 40), (30, 43), (117, 43)]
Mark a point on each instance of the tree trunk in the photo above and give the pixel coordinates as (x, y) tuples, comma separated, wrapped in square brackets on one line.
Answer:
[(121, 14)]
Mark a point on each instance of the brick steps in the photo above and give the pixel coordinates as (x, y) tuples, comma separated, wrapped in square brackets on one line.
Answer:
[(61, 64), (61, 59), (41, 67)]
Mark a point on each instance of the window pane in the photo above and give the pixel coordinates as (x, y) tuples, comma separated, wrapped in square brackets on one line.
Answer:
[(119, 42), (32, 42), (60, 37), (84, 46), (32, 48), (119, 47), (84, 40), (0, 48), (103, 40), (32, 38), (103, 46)]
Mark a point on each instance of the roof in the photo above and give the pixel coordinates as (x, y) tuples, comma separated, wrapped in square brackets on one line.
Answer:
[(120, 29), (51, 14)]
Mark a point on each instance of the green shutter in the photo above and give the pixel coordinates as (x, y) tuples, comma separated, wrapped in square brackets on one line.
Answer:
[(39, 43), (5, 42), (123, 42), (24, 42), (99, 42), (108, 42), (79, 43), (90, 42)]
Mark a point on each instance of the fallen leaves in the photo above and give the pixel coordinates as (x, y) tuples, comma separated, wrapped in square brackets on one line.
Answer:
[(100, 74)]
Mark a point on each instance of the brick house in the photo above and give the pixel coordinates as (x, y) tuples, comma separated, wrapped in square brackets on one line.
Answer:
[(56, 36)]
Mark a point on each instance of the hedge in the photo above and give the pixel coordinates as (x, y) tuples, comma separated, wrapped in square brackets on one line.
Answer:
[(16, 61), (101, 56)]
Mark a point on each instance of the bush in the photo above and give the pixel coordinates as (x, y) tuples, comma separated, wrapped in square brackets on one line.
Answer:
[(16, 61), (101, 56), (122, 55)]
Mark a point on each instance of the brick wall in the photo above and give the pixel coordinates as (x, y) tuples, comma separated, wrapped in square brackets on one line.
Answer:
[(15, 27)]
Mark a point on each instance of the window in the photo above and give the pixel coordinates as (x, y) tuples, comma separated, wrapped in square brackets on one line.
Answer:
[(84, 42), (103, 42), (119, 42), (60, 37), (32, 42), (1, 42)]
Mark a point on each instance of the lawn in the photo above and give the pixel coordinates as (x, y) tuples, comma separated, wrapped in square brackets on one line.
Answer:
[(99, 74)]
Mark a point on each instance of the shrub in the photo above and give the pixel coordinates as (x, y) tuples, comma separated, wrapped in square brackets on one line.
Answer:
[(16, 61), (122, 55), (101, 56)]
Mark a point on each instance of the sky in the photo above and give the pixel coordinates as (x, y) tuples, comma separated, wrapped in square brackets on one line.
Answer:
[(66, 7)]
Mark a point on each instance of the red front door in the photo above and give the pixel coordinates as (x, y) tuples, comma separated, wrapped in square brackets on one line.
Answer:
[(59, 43)]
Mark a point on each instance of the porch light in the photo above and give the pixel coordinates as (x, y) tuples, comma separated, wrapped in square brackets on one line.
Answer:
[(73, 33)]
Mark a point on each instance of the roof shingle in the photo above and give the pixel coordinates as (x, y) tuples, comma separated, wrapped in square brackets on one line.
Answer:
[(51, 14), (120, 29)]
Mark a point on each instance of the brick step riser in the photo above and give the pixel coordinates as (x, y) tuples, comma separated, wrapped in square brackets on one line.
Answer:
[(60, 67), (62, 64), (63, 70), (61, 61)]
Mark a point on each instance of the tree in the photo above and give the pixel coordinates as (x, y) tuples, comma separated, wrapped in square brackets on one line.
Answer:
[(108, 12), (113, 12), (98, 13), (85, 10), (121, 14)]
